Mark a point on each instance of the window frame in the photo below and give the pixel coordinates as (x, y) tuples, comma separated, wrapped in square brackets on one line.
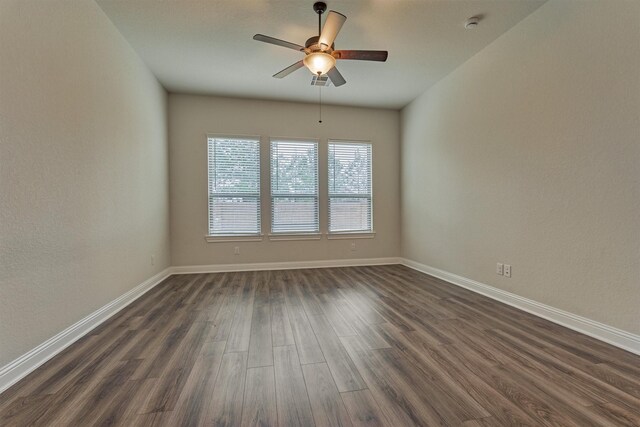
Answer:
[(240, 236), (347, 234), (290, 235)]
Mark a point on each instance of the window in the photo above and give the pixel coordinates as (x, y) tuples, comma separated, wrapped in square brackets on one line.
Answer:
[(234, 186), (349, 187), (294, 187)]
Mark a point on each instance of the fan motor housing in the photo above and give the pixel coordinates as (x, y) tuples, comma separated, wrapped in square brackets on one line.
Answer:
[(312, 45)]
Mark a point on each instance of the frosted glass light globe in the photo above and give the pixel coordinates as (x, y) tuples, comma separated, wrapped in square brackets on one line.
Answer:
[(319, 62)]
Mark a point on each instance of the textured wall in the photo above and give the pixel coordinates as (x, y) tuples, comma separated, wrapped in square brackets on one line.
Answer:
[(83, 169), (192, 117), (529, 154)]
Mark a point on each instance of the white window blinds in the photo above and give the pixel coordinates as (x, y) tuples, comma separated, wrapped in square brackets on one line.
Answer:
[(294, 187), (350, 203), (234, 186)]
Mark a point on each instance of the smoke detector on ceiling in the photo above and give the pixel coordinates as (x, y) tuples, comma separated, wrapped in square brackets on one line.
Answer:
[(472, 23)]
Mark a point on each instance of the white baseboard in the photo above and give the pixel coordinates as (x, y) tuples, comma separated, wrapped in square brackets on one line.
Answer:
[(288, 265), (28, 362), (600, 331)]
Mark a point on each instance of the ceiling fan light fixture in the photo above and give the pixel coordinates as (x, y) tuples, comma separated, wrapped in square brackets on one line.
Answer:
[(320, 56), (319, 63)]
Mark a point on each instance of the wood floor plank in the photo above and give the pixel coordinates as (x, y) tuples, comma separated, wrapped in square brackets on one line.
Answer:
[(616, 414), (198, 392), (369, 336), (212, 299), (617, 379), (294, 408), (162, 350), (537, 406), (225, 315), (147, 307), (281, 332), (260, 407), (134, 402), (305, 339), (482, 422), (260, 344), (54, 374), (214, 304), (197, 289), (153, 419), (303, 287), (392, 309), (38, 409), (398, 406), (435, 384), (115, 411), (240, 332), (381, 345), (98, 354), (363, 306), (580, 372), (28, 410), (102, 396), (325, 298), (430, 303), (446, 402), (504, 411), (326, 404), (152, 334), (176, 370), (543, 376), (225, 409), (344, 371), (363, 409)]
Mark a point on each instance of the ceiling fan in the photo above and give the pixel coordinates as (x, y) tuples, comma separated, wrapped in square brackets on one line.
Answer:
[(320, 54)]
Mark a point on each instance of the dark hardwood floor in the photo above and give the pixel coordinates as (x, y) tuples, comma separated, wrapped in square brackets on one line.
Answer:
[(355, 346)]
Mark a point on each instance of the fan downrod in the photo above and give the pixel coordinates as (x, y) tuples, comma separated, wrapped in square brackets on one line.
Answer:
[(319, 7)]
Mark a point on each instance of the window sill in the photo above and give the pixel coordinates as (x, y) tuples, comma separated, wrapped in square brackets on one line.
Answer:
[(284, 237), (234, 238), (290, 237), (352, 235)]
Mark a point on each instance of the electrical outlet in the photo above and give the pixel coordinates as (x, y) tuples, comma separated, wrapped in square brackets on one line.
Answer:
[(353, 246), (236, 250), (499, 268), (507, 270), (153, 260)]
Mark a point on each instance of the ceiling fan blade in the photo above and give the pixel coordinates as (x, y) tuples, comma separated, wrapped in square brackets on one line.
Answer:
[(336, 77), (331, 28), (290, 69), (361, 55), (278, 42)]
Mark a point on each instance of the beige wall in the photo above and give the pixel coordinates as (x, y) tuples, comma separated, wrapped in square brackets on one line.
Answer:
[(529, 154), (192, 117), (83, 169)]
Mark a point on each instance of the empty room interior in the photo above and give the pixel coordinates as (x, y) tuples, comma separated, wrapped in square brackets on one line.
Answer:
[(297, 213)]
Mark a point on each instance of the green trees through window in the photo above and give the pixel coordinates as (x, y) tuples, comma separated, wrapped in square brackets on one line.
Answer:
[(294, 187), (350, 205), (234, 186)]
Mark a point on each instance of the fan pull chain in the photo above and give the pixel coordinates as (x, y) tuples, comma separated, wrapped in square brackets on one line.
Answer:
[(320, 103)]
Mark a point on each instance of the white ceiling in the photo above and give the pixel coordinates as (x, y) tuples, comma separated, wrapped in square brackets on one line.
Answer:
[(206, 46)]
